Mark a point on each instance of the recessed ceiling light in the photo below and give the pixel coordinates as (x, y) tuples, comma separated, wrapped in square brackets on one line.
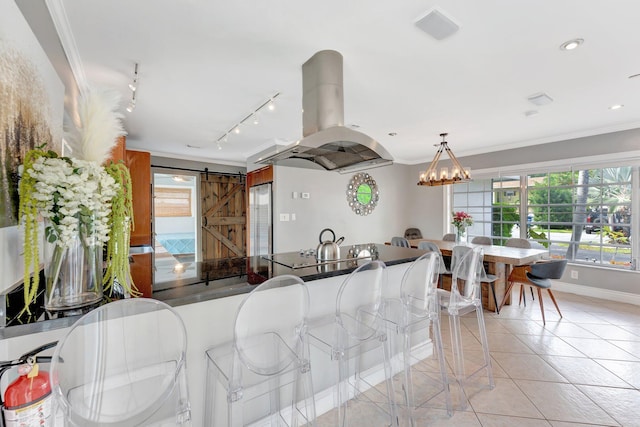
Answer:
[(531, 113), (392, 133), (192, 146), (571, 44), (616, 107)]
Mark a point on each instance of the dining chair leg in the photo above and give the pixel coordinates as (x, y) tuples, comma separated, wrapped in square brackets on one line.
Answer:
[(522, 298), (495, 300), (554, 302), (541, 305), (507, 294)]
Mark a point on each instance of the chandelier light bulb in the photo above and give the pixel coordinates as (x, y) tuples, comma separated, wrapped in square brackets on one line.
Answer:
[(236, 130), (271, 106)]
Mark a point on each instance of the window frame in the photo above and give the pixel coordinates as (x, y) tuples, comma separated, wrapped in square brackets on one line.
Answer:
[(524, 171)]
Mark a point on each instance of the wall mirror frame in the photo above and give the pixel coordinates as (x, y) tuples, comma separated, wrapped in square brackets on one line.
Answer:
[(362, 193)]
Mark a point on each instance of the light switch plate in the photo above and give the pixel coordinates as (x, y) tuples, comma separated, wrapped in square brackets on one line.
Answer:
[(306, 195), (284, 217)]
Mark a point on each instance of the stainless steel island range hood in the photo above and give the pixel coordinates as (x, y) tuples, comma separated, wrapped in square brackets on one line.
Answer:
[(326, 142)]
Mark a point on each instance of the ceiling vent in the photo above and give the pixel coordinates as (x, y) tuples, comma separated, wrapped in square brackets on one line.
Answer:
[(437, 25), (540, 99)]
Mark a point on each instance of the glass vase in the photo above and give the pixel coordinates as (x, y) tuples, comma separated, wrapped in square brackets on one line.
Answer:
[(461, 235), (74, 273)]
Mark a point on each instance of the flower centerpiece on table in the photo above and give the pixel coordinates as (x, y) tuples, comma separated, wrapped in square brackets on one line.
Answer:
[(461, 220), (85, 205)]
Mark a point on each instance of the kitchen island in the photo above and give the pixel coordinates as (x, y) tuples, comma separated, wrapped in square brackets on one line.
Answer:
[(207, 303)]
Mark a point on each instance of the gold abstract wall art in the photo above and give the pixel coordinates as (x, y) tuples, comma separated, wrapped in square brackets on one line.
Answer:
[(31, 104)]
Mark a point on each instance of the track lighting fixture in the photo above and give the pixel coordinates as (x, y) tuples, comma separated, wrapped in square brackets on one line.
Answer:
[(133, 86), (252, 116), (132, 103)]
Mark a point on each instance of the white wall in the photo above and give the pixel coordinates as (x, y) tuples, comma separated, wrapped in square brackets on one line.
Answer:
[(327, 207)]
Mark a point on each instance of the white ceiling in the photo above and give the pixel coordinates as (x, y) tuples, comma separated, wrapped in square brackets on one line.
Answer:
[(205, 65)]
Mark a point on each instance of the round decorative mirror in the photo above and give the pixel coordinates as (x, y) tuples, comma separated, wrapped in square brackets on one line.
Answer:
[(362, 193)]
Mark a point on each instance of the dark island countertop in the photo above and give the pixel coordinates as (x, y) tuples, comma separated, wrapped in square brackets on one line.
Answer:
[(201, 281)]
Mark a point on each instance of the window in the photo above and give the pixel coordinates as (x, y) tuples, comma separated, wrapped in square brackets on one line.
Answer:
[(583, 215), (172, 201)]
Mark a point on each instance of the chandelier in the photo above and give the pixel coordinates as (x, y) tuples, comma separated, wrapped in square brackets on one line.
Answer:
[(444, 176)]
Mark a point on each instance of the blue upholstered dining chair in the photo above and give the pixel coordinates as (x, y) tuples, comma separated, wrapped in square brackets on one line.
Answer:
[(540, 276)]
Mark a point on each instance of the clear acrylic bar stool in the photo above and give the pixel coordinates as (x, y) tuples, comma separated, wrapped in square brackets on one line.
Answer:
[(263, 376), (465, 297), (123, 364), (415, 319), (353, 333)]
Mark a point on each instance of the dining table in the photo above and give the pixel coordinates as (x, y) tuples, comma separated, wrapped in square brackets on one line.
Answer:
[(499, 260)]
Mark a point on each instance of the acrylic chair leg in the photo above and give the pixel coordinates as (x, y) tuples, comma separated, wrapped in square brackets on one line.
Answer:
[(393, 413), (495, 300), (408, 380), (343, 390), (458, 357), (522, 298), (485, 345), (274, 401), (437, 338), (553, 298), (308, 412)]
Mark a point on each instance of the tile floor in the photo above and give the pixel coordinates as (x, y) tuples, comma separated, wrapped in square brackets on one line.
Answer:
[(581, 370)]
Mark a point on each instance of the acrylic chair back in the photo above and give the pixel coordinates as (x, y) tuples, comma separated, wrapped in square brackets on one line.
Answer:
[(359, 300), (430, 246), (270, 323), (468, 270), (123, 364), (419, 283)]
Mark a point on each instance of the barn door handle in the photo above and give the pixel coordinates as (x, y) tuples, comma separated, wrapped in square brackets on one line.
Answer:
[(204, 221)]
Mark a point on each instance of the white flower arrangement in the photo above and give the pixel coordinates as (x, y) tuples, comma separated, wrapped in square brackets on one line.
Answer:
[(72, 193)]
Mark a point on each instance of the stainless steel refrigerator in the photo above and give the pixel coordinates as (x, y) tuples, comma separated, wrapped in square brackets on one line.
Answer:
[(260, 220)]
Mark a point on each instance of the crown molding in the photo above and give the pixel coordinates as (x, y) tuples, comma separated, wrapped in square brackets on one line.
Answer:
[(68, 41)]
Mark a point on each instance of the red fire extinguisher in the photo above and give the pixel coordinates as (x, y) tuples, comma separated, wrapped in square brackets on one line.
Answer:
[(27, 400)]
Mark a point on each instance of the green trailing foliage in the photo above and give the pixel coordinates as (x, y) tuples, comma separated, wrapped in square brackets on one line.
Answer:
[(121, 224)]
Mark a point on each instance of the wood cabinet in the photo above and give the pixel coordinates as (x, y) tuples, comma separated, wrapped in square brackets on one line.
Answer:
[(118, 152), (139, 164)]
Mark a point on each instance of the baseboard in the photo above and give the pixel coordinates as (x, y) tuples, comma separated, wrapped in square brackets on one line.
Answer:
[(591, 291)]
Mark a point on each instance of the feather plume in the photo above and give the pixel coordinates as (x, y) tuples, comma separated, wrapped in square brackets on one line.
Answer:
[(101, 125)]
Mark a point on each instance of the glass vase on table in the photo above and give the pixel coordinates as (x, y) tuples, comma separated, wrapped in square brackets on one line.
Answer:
[(461, 235), (74, 273)]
